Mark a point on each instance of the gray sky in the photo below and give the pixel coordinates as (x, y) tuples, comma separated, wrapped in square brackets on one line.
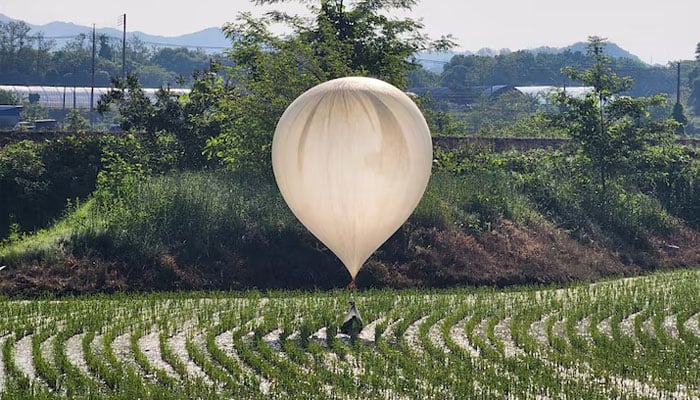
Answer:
[(656, 31)]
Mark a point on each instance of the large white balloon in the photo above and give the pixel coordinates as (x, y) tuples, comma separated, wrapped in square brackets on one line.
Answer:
[(352, 158)]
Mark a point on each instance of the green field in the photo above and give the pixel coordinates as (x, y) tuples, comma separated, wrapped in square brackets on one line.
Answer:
[(633, 338)]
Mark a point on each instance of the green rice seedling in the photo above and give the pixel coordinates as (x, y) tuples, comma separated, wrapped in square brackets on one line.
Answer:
[(161, 377), (42, 364), (170, 357), (627, 339), (214, 372), (76, 383)]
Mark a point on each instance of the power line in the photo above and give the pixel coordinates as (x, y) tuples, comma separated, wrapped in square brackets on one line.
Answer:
[(539, 69), (187, 45), (114, 38), (61, 37)]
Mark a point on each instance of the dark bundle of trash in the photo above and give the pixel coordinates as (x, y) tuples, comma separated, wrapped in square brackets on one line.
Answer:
[(352, 324)]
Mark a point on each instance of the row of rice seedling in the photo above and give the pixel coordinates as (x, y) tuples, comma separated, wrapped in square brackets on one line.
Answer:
[(631, 339)]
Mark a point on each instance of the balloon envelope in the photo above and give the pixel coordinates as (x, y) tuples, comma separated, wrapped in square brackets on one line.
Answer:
[(352, 158)]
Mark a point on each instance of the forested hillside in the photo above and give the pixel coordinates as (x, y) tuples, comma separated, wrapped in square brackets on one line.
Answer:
[(32, 59)]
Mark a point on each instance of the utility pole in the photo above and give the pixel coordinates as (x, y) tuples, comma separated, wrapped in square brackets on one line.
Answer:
[(124, 49), (678, 84), (92, 74)]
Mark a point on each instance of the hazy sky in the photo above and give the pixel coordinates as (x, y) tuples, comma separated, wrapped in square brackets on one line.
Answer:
[(656, 31)]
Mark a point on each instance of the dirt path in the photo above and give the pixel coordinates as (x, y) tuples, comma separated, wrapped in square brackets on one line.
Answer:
[(22, 355), (75, 354), (150, 346)]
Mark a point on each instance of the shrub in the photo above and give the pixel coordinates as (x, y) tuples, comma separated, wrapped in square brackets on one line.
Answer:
[(24, 187), (194, 215), (472, 189)]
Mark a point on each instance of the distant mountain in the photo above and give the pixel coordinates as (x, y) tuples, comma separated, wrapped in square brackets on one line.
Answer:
[(435, 61), (210, 39), (213, 40), (611, 49)]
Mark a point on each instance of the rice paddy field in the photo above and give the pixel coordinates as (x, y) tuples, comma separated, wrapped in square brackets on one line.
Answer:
[(636, 338)]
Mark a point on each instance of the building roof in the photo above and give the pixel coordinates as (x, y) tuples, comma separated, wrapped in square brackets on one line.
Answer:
[(10, 110), (543, 92)]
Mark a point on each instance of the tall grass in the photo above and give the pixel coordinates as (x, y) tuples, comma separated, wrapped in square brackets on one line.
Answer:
[(474, 201), (193, 214), (53, 243), (561, 191), (207, 215)]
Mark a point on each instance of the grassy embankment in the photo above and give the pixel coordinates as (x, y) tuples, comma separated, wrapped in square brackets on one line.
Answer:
[(486, 218)]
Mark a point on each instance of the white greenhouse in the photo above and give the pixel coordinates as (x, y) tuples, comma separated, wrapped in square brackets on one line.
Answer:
[(542, 93), (69, 97)]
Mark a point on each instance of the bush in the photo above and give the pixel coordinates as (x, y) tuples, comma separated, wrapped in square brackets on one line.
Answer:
[(561, 192), (75, 122), (638, 210), (194, 215), (38, 179), (472, 189), (679, 192), (24, 187)]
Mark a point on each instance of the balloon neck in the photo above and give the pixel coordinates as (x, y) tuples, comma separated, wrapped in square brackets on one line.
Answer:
[(352, 284)]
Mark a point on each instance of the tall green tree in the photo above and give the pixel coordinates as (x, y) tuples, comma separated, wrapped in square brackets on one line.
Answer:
[(270, 71), (614, 135), (161, 125), (694, 82), (72, 63), (678, 115), (694, 98), (16, 53), (105, 51), (181, 61)]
